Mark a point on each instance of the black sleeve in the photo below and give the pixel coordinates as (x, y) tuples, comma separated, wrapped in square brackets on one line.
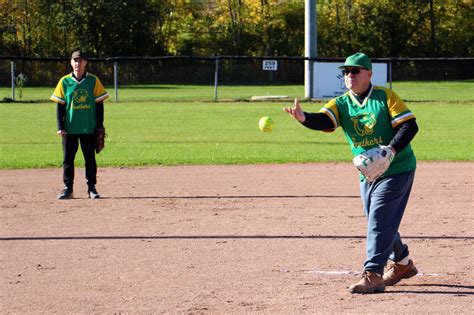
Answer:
[(318, 121), (60, 114), (99, 112), (404, 133)]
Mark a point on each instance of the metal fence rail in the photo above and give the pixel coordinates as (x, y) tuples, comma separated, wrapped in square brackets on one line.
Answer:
[(213, 70)]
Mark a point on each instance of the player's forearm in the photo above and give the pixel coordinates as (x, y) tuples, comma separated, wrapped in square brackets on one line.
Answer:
[(317, 121), (60, 114), (99, 111), (404, 134)]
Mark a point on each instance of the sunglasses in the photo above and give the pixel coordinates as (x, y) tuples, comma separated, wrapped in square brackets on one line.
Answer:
[(351, 70)]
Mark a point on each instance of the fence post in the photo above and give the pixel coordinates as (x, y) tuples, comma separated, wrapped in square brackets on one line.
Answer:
[(116, 80), (12, 71), (216, 78), (390, 72)]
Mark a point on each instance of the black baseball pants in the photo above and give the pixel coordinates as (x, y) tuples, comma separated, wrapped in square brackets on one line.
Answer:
[(70, 147)]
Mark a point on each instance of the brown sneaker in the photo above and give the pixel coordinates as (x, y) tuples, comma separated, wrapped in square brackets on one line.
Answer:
[(397, 272), (370, 283)]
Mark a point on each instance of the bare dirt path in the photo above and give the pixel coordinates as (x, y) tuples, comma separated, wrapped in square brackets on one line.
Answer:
[(226, 239)]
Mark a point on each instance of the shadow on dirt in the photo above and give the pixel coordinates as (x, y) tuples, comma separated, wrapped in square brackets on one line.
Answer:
[(426, 288), (205, 237)]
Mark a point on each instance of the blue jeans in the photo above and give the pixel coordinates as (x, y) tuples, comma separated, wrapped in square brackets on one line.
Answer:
[(384, 203)]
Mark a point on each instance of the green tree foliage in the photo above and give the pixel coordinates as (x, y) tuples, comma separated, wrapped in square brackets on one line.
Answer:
[(382, 28), (385, 28), (237, 27), (104, 28)]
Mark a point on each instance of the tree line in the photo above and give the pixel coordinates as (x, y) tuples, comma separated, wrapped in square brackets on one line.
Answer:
[(105, 28)]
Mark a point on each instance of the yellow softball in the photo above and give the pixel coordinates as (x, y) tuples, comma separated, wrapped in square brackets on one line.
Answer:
[(265, 124)]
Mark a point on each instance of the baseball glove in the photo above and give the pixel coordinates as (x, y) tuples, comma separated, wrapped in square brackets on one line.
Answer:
[(374, 162), (99, 139)]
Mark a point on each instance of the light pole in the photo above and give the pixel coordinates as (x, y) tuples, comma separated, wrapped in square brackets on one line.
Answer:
[(310, 45)]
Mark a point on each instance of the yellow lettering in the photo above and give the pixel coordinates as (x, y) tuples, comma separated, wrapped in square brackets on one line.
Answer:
[(368, 142), (83, 106)]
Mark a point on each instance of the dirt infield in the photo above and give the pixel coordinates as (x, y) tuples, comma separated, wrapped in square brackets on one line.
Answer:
[(286, 239)]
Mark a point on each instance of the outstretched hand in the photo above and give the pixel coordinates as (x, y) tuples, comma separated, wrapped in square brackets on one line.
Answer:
[(296, 112)]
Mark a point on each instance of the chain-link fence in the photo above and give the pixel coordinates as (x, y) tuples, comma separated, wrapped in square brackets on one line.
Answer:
[(213, 72)]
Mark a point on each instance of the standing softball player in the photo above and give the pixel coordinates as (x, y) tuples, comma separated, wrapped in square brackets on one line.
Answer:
[(80, 112), (379, 128)]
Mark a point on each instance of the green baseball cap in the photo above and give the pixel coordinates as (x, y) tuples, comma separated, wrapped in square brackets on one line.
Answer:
[(358, 60)]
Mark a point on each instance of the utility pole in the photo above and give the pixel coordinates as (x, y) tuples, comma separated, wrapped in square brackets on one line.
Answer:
[(310, 45)]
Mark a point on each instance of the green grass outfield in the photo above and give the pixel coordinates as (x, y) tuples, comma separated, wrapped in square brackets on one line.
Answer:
[(177, 132), (458, 91)]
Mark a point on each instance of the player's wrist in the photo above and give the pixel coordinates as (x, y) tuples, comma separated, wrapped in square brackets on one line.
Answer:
[(393, 150), (302, 118)]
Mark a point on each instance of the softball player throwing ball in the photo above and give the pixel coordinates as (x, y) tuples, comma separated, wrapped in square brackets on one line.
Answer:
[(379, 127)]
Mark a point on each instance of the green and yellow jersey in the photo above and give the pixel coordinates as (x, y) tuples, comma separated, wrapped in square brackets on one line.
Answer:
[(80, 98), (371, 123)]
